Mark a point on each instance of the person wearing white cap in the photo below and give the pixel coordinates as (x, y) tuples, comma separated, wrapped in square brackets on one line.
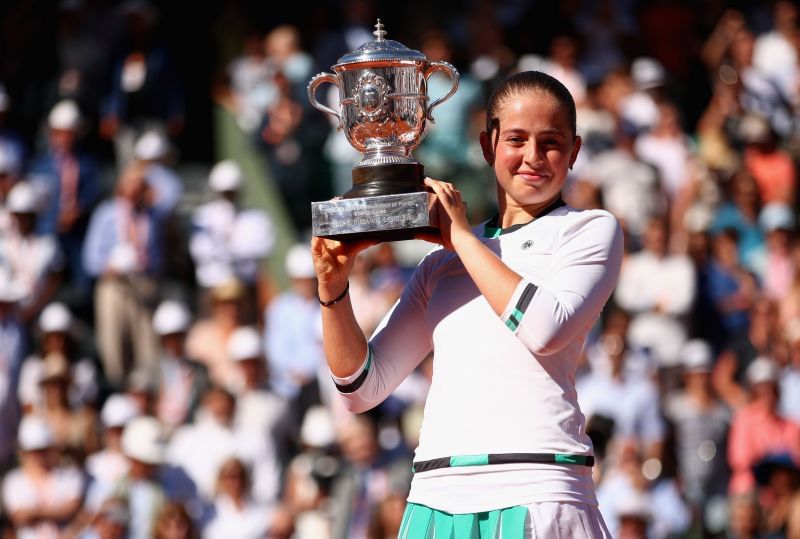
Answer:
[(109, 465), (40, 497), (70, 181), (778, 221), (125, 252), (180, 381), (758, 429), (9, 175), (33, 259), (258, 408), (57, 336), (292, 335), (153, 149), (226, 240), (701, 423)]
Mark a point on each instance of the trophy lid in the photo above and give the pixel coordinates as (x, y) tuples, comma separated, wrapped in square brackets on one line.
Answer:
[(381, 50)]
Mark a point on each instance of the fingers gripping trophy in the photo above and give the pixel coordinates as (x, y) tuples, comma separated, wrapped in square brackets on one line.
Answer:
[(384, 113)]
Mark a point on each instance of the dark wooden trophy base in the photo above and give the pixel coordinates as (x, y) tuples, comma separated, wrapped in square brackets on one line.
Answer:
[(386, 203)]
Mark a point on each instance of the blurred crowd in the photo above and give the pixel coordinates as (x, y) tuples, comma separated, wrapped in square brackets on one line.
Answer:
[(157, 381)]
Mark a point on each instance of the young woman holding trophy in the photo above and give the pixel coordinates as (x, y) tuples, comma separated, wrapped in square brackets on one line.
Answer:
[(506, 307)]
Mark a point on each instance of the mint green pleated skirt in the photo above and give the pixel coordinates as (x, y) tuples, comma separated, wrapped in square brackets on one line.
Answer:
[(421, 522)]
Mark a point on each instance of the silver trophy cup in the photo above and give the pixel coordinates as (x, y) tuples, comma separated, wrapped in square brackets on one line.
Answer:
[(384, 112)]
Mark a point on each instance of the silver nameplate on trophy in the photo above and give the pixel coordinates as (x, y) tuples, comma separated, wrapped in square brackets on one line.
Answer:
[(354, 218)]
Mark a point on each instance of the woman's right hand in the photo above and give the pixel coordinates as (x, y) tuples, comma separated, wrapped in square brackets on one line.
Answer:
[(333, 262)]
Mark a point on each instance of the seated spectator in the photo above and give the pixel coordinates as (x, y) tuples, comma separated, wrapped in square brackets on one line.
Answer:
[(625, 396), (730, 286), (32, 259), (109, 465), (260, 409), (40, 496), (71, 183), (772, 167), (13, 346), (292, 330), (236, 514), (758, 430), (369, 476), (123, 250), (740, 213), (778, 222), (74, 428), (57, 336), (181, 382), (228, 241), (207, 341), (202, 446), (153, 150), (701, 424)]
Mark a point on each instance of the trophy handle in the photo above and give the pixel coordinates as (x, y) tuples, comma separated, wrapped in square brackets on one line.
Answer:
[(318, 79), (452, 73)]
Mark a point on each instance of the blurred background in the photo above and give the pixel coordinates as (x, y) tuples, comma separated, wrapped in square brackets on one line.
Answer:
[(161, 372)]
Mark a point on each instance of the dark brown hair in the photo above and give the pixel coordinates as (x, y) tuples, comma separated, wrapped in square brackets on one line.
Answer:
[(529, 81)]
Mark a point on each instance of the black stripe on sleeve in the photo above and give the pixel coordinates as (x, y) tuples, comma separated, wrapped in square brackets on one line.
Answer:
[(354, 385), (526, 297)]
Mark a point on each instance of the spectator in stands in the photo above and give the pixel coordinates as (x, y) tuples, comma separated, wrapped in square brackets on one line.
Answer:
[(13, 346), (33, 259), (174, 522), (701, 424), (153, 149), (11, 144), (228, 241), (758, 430), (292, 332), (764, 159), (145, 92), (40, 496), (71, 183), (123, 251), (778, 222), (236, 514), (207, 341), (9, 175), (57, 335), (180, 381)]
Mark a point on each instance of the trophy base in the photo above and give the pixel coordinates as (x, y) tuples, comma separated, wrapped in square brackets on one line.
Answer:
[(390, 179), (391, 217)]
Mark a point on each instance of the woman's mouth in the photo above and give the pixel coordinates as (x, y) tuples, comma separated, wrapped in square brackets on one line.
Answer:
[(532, 176)]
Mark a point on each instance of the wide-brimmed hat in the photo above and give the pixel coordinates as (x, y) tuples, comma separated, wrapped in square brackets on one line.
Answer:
[(142, 440)]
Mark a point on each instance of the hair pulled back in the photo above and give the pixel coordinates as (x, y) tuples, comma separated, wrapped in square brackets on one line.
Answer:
[(526, 82)]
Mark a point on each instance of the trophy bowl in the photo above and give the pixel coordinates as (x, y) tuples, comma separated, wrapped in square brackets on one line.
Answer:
[(384, 113)]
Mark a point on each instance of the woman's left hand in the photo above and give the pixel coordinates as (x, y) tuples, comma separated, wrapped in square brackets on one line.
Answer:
[(452, 213)]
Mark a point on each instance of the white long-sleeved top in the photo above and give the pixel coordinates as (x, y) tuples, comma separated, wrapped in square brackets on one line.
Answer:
[(500, 384)]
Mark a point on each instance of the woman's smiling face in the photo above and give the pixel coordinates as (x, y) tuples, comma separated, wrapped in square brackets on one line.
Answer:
[(530, 149)]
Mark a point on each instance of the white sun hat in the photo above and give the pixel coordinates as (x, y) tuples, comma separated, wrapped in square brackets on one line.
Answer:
[(299, 263), (171, 317), (118, 410), (23, 198), (142, 440), (34, 434), (151, 146), (696, 356), (245, 343), (225, 176), (55, 318), (65, 115), (762, 369)]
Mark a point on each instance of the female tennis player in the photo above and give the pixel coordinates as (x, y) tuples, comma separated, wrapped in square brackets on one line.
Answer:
[(505, 307)]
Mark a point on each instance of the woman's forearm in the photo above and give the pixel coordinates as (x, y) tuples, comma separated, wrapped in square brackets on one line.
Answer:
[(344, 342)]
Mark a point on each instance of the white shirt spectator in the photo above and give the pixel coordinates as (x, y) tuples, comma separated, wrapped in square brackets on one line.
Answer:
[(226, 242), (670, 156), (20, 492), (647, 283), (249, 522), (631, 401)]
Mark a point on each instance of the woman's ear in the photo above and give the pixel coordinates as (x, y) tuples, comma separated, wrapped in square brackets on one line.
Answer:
[(486, 146), (575, 150)]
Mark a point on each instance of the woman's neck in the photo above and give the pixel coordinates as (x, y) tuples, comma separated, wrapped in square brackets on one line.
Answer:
[(511, 213)]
